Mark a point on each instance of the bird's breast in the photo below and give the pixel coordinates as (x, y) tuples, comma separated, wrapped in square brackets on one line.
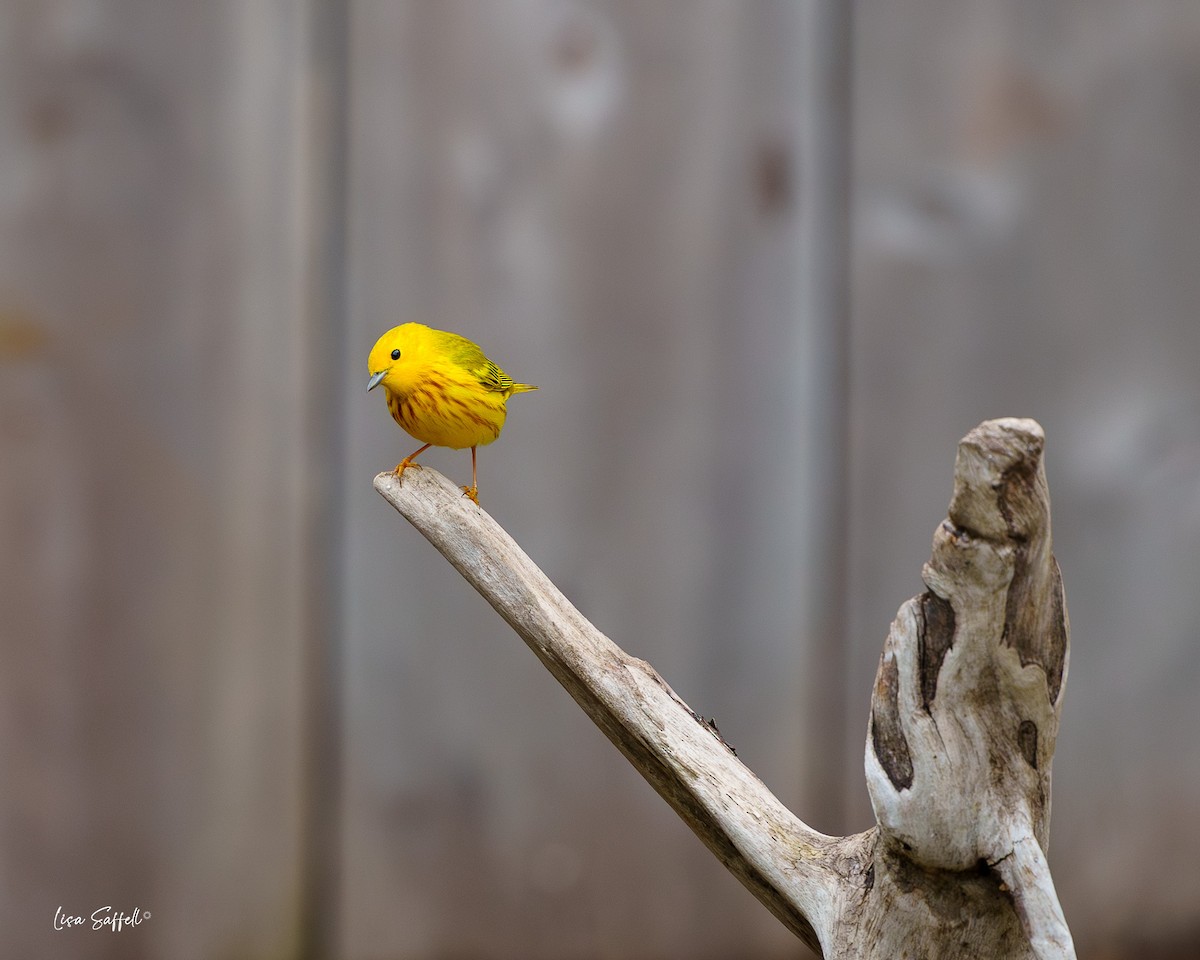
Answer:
[(448, 414)]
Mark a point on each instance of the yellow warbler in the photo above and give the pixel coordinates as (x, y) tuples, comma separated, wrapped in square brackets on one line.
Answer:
[(442, 390)]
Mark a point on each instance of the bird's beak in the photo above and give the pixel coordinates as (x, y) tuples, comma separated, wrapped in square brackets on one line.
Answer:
[(375, 380)]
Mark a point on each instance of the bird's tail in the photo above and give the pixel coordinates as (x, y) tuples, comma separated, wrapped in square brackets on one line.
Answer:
[(521, 388)]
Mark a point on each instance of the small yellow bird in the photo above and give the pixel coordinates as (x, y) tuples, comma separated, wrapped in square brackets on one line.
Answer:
[(442, 389)]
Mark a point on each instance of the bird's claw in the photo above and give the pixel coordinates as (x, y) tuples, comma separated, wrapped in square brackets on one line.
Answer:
[(472, 494), (405, 464)]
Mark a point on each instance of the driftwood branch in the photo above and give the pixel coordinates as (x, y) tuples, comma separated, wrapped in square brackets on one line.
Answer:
[(965, 710), (960, 738), (780, 859)]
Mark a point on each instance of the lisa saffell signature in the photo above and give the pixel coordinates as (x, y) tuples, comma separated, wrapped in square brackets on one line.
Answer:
[(101, 917)]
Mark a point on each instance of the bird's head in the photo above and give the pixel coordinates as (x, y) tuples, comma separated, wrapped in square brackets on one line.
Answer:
[(391, 359)]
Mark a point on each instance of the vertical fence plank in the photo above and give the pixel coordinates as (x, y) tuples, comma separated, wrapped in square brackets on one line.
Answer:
[(155, 505), (605, 196), (1026, 245), (326, 103)]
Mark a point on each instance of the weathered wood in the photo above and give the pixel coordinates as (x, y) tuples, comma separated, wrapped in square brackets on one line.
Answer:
[(591, 191), (780, 859), (1003, 154), (961, 734), (158, 479), (965, 710)]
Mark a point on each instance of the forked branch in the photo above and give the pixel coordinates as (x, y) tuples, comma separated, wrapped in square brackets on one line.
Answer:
[(962, 729)]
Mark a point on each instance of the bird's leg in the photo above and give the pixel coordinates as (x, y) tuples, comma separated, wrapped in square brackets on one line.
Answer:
[(473, 490), (408, 461)]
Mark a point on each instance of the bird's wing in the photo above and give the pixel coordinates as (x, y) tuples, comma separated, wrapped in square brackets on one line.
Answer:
[(493, 378), (467, 355)]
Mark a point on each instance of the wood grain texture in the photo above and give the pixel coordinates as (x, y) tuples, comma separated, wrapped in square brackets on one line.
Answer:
[(776, 856), (610, 199), (976, 665), (156, 480), (1025, 240), (961, 733)]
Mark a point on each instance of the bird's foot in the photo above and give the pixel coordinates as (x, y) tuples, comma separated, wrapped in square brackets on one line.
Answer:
[(405, 464), (472, 494)]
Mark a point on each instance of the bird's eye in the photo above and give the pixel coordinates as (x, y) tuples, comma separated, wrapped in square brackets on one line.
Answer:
[(395, 354)]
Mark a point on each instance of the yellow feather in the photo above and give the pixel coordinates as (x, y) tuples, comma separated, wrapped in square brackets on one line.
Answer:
[(442, 389)]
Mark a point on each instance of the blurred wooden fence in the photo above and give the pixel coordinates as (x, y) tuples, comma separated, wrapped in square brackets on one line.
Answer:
[(241, 695)]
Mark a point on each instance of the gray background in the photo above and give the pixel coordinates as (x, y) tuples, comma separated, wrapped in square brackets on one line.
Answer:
[(240, 693)]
